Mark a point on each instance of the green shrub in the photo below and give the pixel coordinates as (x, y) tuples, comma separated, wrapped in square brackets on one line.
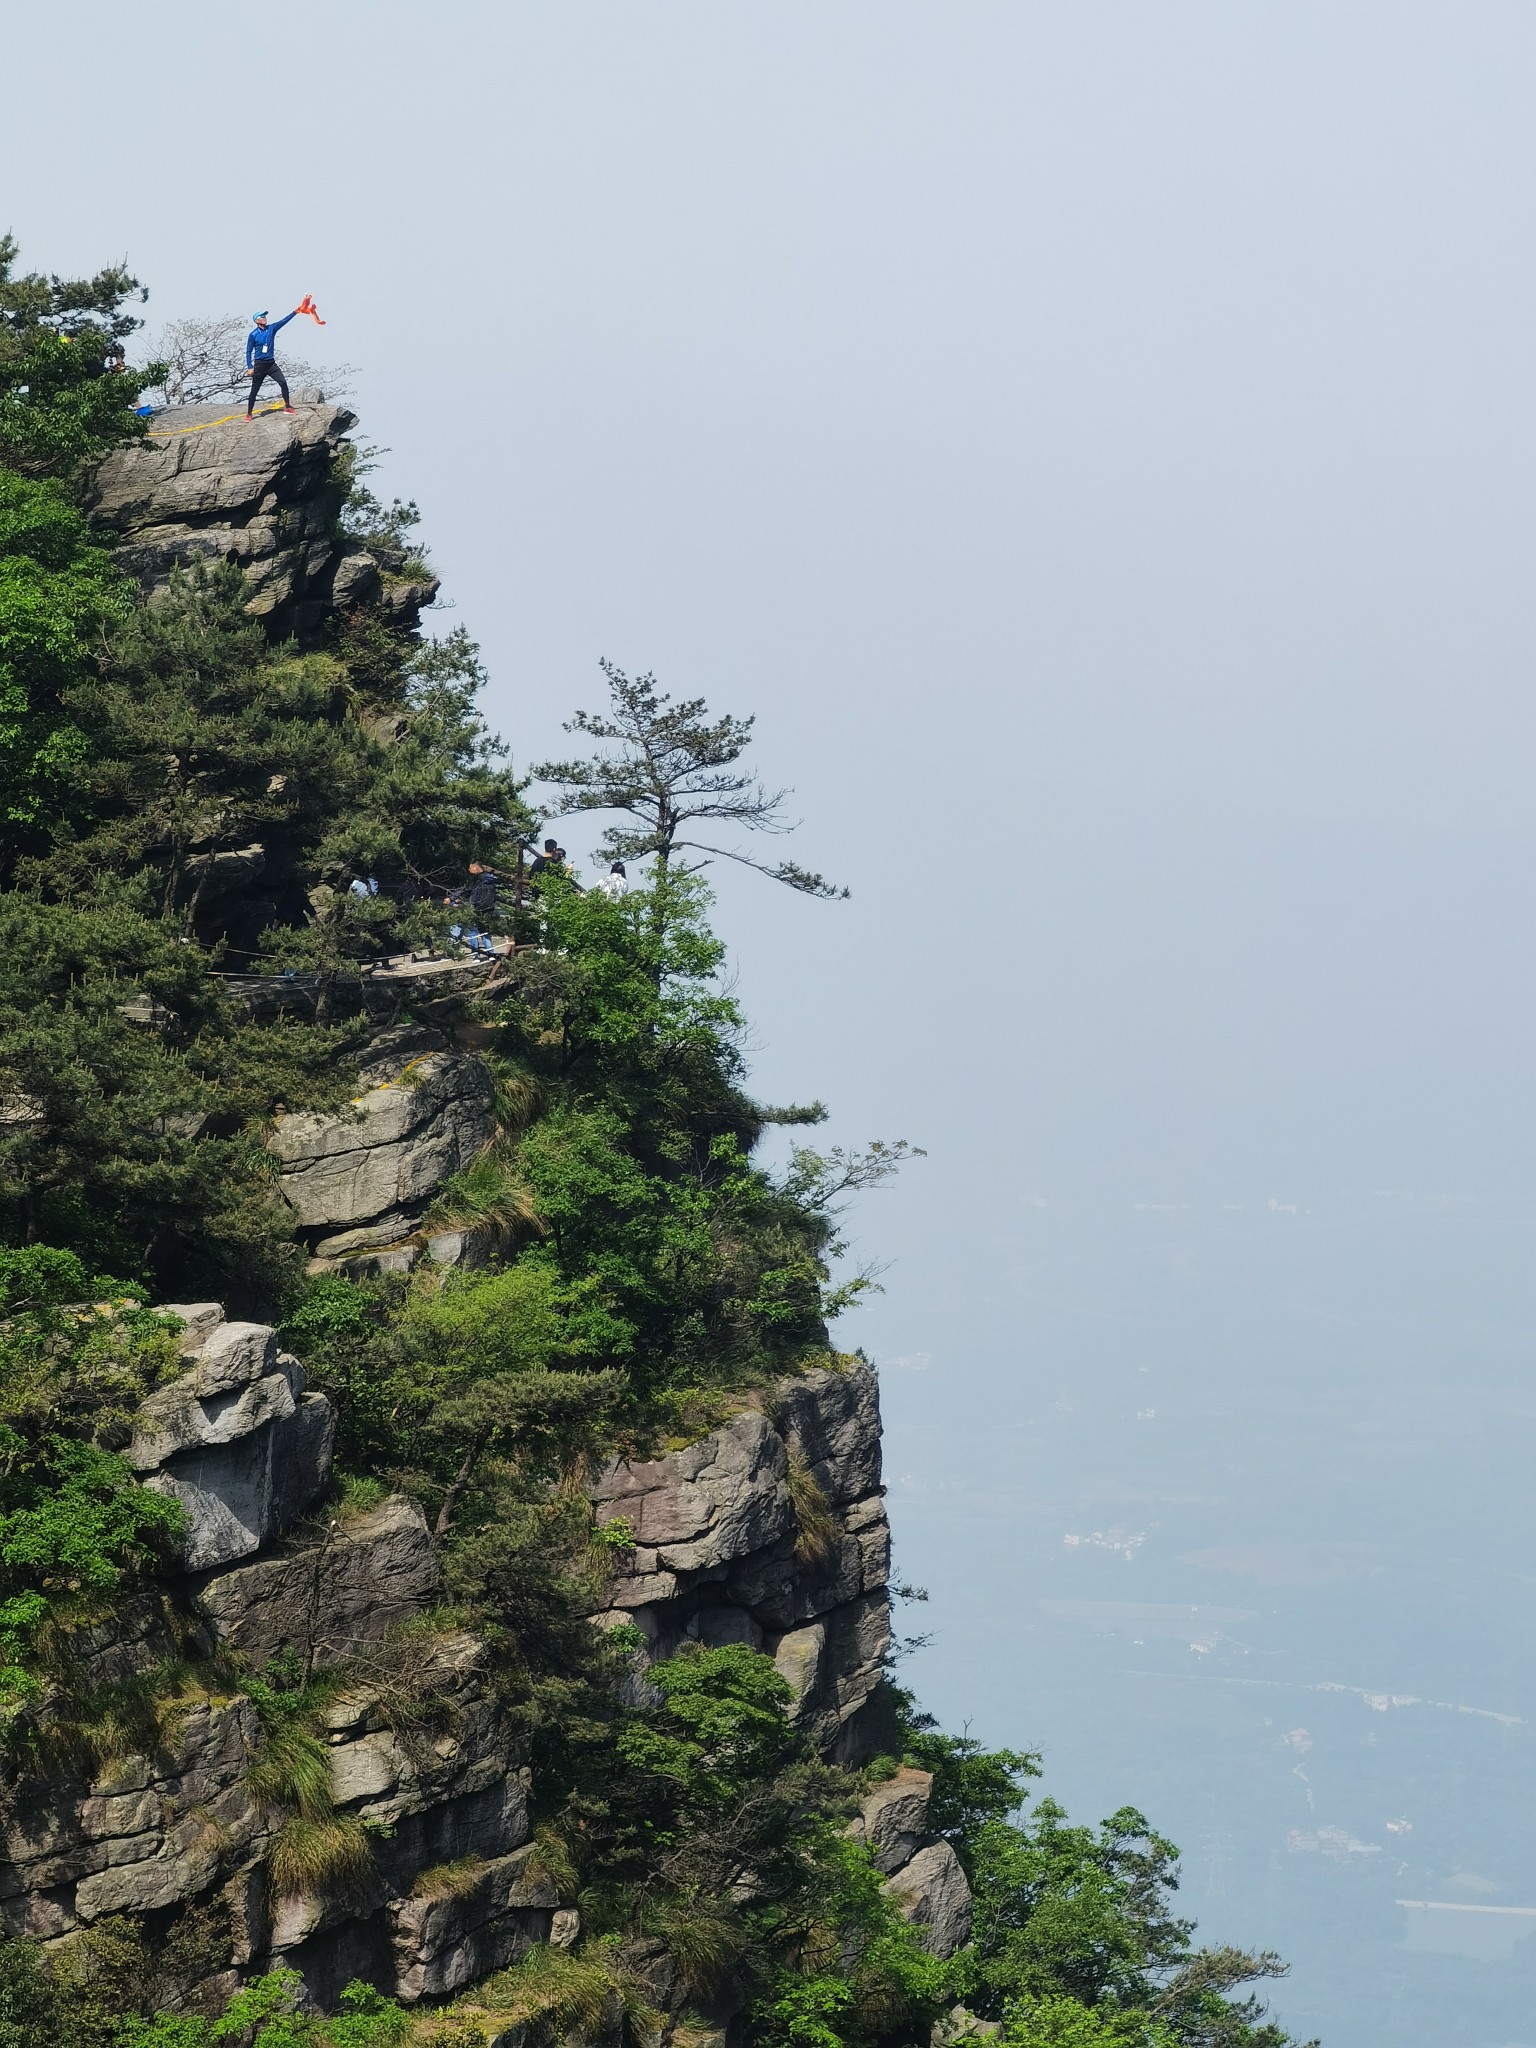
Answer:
[(816, 1527)]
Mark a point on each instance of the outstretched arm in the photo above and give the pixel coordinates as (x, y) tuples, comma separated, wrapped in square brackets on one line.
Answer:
[(273, 325)]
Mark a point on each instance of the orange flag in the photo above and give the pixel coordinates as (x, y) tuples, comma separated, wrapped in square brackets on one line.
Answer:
[(307, 305)]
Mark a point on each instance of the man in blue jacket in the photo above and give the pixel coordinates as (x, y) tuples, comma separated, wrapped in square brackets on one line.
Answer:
[(261, 358)]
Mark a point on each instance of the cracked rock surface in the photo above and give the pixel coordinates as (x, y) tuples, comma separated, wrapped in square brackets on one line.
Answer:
[(714, 1556), (203, 486), (377, 1162), (246, 1449)]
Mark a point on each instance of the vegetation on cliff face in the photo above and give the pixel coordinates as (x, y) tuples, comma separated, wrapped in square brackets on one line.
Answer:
[(644, 1272)]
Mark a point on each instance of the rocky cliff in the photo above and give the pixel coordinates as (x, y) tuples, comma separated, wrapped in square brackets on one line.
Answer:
[(422, 1769), (770, 1531), (266, 497), (266, 494), (391, 1840)]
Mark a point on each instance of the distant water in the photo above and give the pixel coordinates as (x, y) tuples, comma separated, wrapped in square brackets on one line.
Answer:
[(1227, 1508)]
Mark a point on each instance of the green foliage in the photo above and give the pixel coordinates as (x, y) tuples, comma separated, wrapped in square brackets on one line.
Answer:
[(29, 2001), (62, 399), (74, 1523), (266, 2013), (1085, 1915), (843, 1966), (134, 1097), (58, 590), (672, 771), (320, 1859), (206, 742), (973, 1787), (1053, 2022)]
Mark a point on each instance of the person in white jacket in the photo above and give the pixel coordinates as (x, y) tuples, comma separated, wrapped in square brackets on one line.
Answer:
[(615, 884)]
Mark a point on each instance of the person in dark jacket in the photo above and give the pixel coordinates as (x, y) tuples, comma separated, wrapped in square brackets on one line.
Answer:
[(478, 894), (261, 358)]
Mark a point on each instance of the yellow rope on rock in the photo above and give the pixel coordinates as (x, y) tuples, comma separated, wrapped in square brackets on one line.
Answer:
[(171, 433)]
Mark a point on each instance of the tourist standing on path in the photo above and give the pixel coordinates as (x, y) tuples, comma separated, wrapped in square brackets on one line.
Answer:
[(261, 358), (615, 884), (479, 894)]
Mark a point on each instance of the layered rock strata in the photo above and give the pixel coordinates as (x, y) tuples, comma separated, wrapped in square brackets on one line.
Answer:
[(771, 1531), (361, 1180), (768, 1531), (720, 1553), (205, 486), (419, 1753)]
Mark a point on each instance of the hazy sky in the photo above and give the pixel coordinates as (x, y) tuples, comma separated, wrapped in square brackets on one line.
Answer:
[(1096, 439)]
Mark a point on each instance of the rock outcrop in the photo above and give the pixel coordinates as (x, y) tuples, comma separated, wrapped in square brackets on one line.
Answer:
[(769, 1531), (421, 1758), (236, 1440), (206, 486), (720, 1555), (922, 1873), (330, 1603), (361, 1179)]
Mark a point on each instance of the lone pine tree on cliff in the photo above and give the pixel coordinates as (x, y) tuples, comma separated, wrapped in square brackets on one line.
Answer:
[(672, 770)]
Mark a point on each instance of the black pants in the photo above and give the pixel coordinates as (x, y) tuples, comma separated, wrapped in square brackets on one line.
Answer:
[(266, 368)]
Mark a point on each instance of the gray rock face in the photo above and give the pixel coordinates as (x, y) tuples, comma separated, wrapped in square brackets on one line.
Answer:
[(831, 1421), (714, 1553), (236, 1440), (932, 1895), (205, 486), (704, 1506), (893, 1821), (243, 1493), (922, 1875), (162, 1831), (390, 1153), (444, 1940), (333, 1601)]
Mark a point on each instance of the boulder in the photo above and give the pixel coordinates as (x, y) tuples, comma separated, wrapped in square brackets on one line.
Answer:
[(199, 1320), (205, 486), (334, 1600), (830, 1420), (460, 1924), (698, 1508), (931, 1895), (797, 1658), (234, 1438), (959, 2025), (892, 1821), (179, 1418), (391, 1152), (241, 1494)]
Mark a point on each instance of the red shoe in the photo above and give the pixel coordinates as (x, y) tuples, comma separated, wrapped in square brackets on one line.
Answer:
[(288, 409)]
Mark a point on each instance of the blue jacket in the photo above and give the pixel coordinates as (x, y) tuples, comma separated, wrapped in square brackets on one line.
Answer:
[(262, 341)]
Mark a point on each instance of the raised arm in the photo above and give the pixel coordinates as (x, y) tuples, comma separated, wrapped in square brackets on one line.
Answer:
[(273, 325)]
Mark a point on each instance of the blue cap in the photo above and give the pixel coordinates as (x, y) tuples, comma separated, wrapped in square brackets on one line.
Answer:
[(261, 315)]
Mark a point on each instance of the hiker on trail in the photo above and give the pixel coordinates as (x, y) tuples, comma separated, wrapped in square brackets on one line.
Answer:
[(547, 860), (615, 884), (261, 357), (479, 894)]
